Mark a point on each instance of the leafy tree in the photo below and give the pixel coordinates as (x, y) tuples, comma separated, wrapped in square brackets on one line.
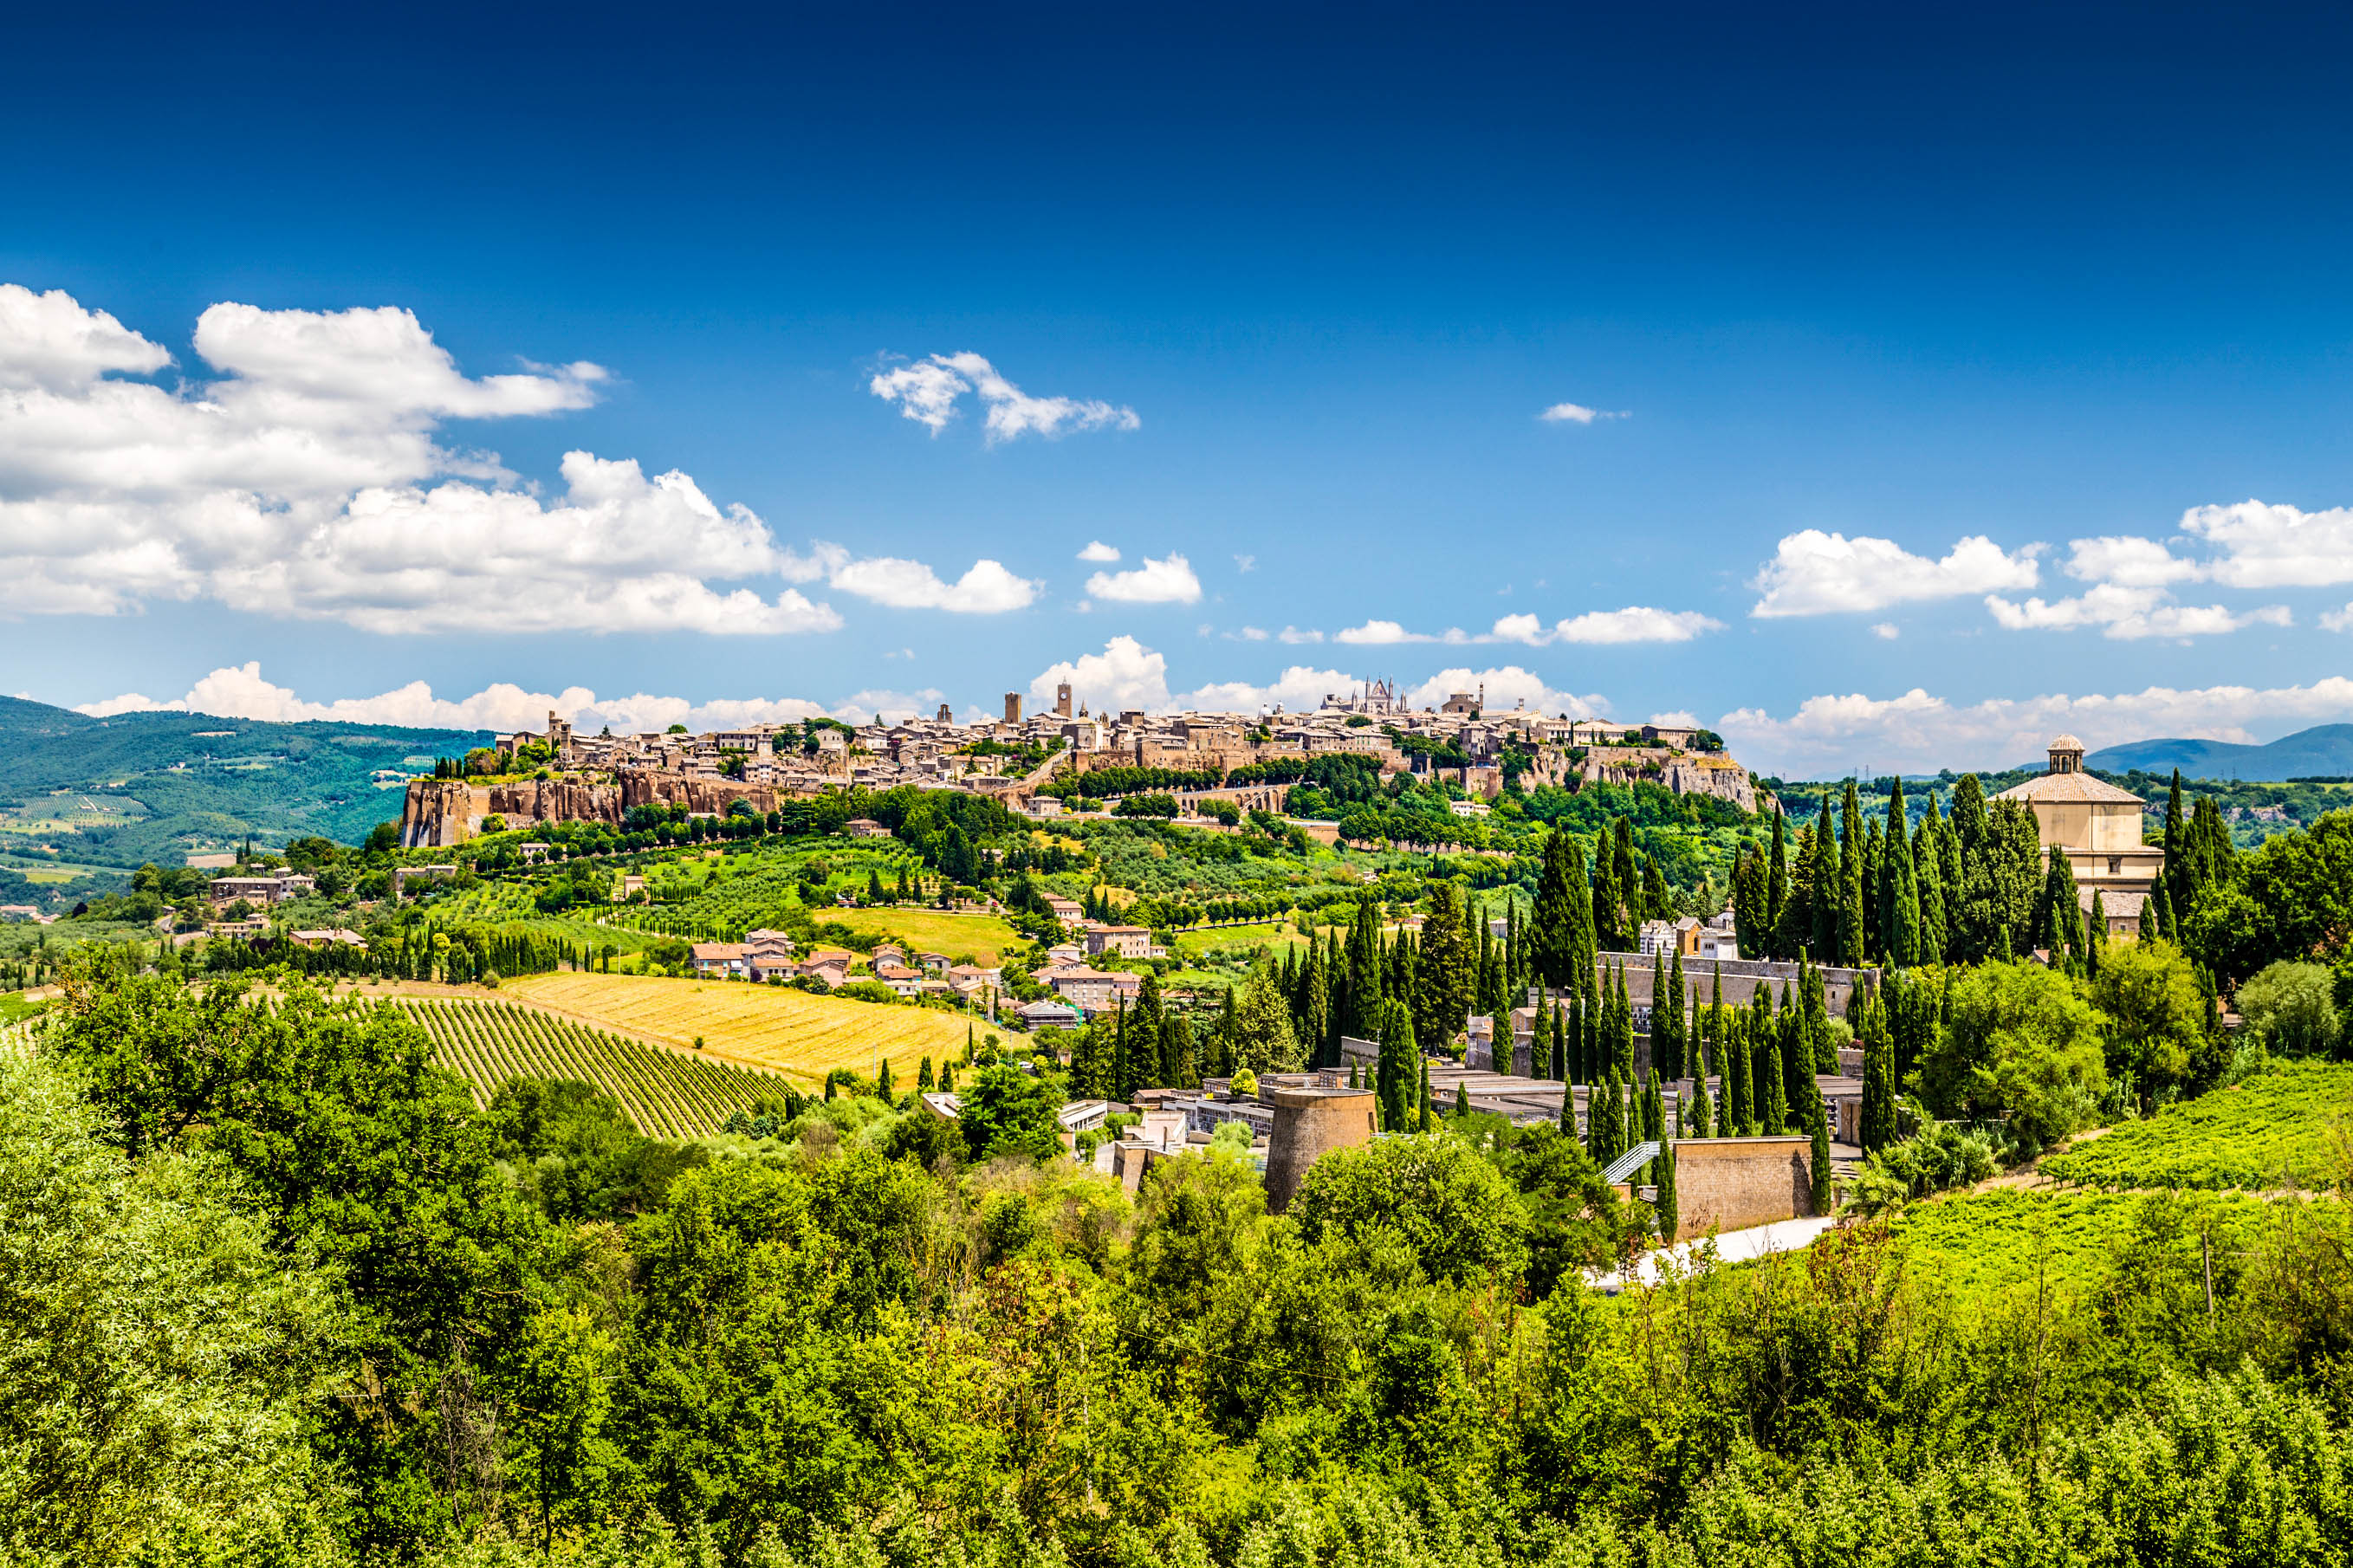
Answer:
[(158, 1353), (2156, 1018), (1447, 1206), (2291, 897), (2017, 1041), (1006, 1111), (1261, 1035), (2290, 1007)]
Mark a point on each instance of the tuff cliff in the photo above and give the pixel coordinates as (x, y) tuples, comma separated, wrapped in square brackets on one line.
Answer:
[(439, 812)]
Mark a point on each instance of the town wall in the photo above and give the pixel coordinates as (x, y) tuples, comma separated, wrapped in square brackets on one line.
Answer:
[(1732, 1183)]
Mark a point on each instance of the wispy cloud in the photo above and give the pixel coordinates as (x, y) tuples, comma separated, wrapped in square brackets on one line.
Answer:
[(927, 391), (1577, 414)]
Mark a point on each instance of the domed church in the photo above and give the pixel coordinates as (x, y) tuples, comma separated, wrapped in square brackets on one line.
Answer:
[(2097, 826)]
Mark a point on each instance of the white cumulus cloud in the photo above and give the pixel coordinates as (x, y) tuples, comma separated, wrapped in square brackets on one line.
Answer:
[(1169, 581), (927, 391), (2337, 620), (240, 692), (1126, 674), (1634, 624), (1380, 633), (2259, 546), (986, 588), (1828, 735), (1098, 551), (1818, 573), (304, 480), (2129, 613)]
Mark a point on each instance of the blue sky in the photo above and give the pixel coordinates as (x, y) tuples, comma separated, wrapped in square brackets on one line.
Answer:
[(1877, 317)]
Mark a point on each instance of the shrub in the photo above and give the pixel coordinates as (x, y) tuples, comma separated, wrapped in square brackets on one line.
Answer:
[(2288, 1007)]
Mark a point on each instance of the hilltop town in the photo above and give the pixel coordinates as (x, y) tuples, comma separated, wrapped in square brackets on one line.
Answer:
[(1246, 760)]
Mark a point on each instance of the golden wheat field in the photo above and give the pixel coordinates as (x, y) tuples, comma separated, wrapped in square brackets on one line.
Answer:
[(794, 1033)]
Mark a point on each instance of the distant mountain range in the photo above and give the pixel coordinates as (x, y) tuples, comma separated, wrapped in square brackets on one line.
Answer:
[(156, 787), (2324, 749)]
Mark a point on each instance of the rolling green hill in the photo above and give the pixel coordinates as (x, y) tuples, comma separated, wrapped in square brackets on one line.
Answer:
[(77, 791)]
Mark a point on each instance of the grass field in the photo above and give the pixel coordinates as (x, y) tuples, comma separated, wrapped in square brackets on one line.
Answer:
[(788, 1031), (666, 1093), (1266, 933), (1988, 1242), (2289, 1127), (986, 937)]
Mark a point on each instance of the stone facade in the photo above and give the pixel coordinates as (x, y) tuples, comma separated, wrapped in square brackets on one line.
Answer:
[(1309, 1123), (1732, 1183)]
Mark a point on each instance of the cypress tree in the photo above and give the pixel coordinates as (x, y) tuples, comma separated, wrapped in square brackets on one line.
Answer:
[(1878, 1130), (1609, 900), (1702, 1121), (923, 1079), (1442, 986), (1772, 1099), (1854, 934), (1777, 883), (1563, 912), (1629, 879), (1398, 1058), (1427, 1123), (1462, 1099), (2176, 865), (1824, 875), (1794, 931), (1817, 1162), (1903, 919), (1749, 903), (1678, 1033), (2157, 915), (1714, 1025), (883, 1080), (1666, 1205), (1540, 1046), (1739, 1104)]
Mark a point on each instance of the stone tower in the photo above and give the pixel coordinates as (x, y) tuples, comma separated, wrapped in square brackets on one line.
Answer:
[(1309, 1123)]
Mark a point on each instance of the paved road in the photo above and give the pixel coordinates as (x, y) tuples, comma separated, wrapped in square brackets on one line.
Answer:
[(1733, 1247)]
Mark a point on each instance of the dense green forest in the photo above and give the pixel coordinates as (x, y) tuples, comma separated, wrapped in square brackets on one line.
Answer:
[(275, 1291)]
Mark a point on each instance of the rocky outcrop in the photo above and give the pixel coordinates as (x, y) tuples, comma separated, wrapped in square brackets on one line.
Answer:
[(441, 812), (1685, 772)]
